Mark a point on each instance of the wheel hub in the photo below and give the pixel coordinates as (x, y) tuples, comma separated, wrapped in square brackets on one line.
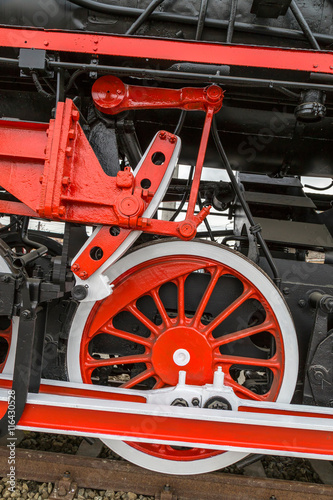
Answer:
[(183, 348)]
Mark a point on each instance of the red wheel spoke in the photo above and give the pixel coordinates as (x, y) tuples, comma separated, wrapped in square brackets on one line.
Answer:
[(138, 378), (127, 336), (241, 334), (206, 296), (227, 360), (154, 329), (229, 310), (243, 390), (160, 306), (181, 299), (92, 363), (159, 383)]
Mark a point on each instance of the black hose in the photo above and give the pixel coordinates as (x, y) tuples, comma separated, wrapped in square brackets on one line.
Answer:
[(304, 25), (255, 229), (234, 238), (319, 188), (184, 198), (72, 79), (39, 87), (232, 20), (144, 16), (201, 19), (180, 123)]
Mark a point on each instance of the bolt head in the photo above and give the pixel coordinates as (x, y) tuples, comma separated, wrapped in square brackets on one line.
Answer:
[(195, 402), (75, 115)]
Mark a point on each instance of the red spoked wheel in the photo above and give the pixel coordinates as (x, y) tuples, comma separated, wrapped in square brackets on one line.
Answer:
[(193, 307)]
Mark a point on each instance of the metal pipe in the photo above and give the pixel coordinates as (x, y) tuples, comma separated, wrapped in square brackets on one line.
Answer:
[(153, 73), (304, 25)]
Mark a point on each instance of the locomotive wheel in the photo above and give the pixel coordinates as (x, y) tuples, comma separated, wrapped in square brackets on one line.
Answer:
[(197, 297)]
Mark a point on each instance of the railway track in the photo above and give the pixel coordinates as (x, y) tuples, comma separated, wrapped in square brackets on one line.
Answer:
[(71, 472)]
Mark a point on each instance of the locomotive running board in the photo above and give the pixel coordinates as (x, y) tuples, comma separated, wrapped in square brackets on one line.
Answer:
[(107, 413)]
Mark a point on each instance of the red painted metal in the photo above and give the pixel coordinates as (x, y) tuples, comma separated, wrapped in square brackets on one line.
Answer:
[(14, 207), (135, 425), (169, 50), (54, 172), (178, 332), (112, 96)]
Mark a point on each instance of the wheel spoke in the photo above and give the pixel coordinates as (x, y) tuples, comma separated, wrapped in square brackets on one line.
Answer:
[(161, 309), (127, 336), (181, 299), (206, 296), (248, 291), (138, 378), (226, 360), (241, 334), (154, 329), (243, 390), (92, 363)]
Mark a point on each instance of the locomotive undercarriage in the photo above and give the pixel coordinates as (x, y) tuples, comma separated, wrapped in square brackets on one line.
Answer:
[(150, 333)]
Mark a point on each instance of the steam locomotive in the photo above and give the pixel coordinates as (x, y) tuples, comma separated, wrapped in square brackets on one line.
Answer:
[(183, 318)]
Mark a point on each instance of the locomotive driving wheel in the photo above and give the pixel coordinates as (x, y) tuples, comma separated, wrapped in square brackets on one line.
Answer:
[(192, 306)]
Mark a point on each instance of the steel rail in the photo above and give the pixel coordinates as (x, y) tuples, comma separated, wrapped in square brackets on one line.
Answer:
[(100, 474)]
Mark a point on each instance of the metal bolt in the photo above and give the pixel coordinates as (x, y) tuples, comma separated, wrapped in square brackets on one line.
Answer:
[(61, 211), (162, 135), (75, 115), (75, 267), (172, 139), (71, 133), (286, 291), (195, 402), (26, 314), (46, 43), (83, 275), (69, 151), (66, 181), (302, 303)]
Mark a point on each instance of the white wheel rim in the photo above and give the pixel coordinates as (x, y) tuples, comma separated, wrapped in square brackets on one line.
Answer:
[(249, 271)]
